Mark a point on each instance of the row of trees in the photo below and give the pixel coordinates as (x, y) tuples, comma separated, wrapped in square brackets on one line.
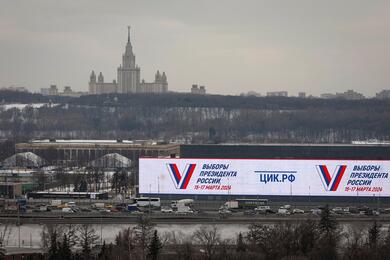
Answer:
[(120, 181), (323, 239), (188, 100), (175, 115), (82, 242)]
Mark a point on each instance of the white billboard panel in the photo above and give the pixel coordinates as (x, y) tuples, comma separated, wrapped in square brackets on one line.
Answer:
[(264, 177)]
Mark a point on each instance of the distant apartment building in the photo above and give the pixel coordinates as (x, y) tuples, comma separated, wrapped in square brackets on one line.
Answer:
[(201, 90), (251, 94), (277, 94), (68, 92), (51, 91), (384, 94), (129, 78), (302, 94), (350, 95), (15, 88)]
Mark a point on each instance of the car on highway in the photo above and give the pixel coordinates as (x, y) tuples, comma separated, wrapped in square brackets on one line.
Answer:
[(370, 212), (67, 210), (283, 211), (338, 210), (298, 211), (249, 212), (109, 206), (316, 211), (137, 212), (166, 210), (353, 210), (225, 211), (71, 204), (264, 210)]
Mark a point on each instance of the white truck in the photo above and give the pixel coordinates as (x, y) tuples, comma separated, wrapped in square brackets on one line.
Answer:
[(229, 205), (56, 203), (283, 211), (43, 208), (98, 205), (184, 206)]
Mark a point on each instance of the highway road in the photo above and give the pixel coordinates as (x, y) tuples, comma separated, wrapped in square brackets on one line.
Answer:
[(168, 218)]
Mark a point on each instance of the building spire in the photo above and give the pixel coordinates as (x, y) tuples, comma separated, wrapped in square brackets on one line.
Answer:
[(128, 34)]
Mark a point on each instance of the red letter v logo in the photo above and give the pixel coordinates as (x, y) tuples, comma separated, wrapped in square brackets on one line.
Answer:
[(181, 180), (331, 183)]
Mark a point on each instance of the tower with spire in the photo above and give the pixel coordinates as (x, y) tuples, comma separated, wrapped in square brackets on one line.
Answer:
[(129, 75), (128, 71), (92, 83)]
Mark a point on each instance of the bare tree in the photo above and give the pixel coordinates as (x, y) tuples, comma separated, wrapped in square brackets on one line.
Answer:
[(125, 242), (282, 239), (49, 229), (87, 239), (5, 232), (355, 246), (260, 239), (181, 243), (47, 233), (121, 181), (71, 233), (186, 251), (208, 238)]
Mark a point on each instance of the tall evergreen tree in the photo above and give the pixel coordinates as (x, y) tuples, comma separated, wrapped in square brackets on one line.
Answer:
[(327, 223), (64, 252), (240, 247), (154, 246), (53, 249), (374, 235), (374, 239), (143, 234), (106, 251), (326, 247)]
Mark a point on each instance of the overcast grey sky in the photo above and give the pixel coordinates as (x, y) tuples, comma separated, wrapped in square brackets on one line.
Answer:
[(230, 46)]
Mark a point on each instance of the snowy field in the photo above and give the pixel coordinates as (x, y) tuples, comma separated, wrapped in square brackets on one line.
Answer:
[(31, 234), (22, 106)]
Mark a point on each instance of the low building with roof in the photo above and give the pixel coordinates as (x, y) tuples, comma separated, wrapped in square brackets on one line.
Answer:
[(82, 152), (24, 159), (32, 253), (112, 160)]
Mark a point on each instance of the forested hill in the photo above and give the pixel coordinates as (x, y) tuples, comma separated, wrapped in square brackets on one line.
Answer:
[(229, 102), (196, 118), (189, 100)]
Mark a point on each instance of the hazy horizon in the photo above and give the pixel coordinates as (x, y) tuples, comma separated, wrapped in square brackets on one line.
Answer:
[(229, 46)]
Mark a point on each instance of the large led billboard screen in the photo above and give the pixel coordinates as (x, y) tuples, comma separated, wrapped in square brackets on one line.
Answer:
[(264, 177)]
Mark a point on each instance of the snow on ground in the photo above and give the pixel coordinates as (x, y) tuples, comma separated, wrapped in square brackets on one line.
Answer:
[(109, 231), (22, 106)]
